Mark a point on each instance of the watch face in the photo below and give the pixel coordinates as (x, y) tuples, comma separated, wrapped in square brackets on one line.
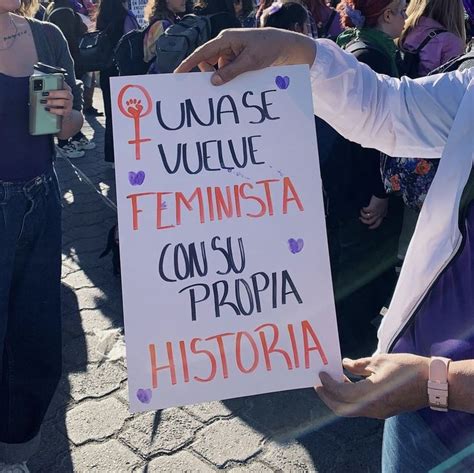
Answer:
[(438, 384), (438, 370)]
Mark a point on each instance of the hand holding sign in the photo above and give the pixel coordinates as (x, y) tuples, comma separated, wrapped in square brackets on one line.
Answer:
[(237, 51), (225, 271)]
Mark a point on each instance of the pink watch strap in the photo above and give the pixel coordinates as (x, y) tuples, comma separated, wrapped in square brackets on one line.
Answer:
[(438, 383)]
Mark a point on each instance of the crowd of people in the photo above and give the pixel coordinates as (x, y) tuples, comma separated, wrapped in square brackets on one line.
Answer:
[(376, 175)]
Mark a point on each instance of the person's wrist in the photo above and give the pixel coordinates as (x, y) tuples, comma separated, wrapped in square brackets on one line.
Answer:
[(309, 50), (65, 121), (422, 380), (302, 49), (68, 121), (67, 117)]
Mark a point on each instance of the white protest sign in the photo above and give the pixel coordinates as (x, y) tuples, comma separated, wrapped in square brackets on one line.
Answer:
[(225, 270), (138, 9)]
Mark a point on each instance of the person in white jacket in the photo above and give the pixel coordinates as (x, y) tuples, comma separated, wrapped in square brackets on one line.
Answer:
[(431, 118)]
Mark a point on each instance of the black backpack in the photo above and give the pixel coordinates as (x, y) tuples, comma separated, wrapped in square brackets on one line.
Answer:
[(128, 54), (408, 62), (95, 48), (95, 51), (360, 45), (464, 61), (180, 40)]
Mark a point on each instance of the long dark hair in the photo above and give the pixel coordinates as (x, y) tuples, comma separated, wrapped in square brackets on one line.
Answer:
[(289, 15), (111, 13)]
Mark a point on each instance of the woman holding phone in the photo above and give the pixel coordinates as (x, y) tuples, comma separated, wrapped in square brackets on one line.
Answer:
[(30, 229)]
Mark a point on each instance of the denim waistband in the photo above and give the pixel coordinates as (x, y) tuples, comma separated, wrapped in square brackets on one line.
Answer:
[(27, 187)]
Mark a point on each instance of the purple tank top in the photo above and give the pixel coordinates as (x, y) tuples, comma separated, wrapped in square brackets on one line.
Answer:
[(22, 156), (444, 326)]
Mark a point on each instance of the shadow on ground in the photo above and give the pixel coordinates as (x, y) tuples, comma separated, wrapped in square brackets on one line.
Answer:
[(289, 421)]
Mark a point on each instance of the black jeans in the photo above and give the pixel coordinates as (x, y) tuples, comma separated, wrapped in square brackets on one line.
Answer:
[(30, 311), (109, 137)]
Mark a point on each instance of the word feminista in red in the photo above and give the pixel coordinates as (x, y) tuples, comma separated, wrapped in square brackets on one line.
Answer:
[(266, 197)]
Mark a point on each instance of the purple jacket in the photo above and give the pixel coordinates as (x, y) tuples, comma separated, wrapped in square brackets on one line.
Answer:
[(444, 326), (439, 50), (335, 29), (130, 23)]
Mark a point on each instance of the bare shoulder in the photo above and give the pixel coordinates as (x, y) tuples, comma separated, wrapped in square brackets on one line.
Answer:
[(19, 20)]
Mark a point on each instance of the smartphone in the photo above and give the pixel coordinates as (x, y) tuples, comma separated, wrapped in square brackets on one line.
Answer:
[(45, 79)]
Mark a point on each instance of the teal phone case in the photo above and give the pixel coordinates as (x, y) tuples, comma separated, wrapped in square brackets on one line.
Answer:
[(43, 122)]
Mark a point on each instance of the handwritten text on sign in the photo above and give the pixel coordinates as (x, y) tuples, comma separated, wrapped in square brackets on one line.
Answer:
[(225, 272), (138, 9)]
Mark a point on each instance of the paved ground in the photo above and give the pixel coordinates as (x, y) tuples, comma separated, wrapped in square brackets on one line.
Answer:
[(89, 427)]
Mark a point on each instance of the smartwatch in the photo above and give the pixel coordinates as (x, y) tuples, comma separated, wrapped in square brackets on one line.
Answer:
[(438, 383)]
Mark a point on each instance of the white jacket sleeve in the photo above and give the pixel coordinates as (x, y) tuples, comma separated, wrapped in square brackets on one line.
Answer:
[(405, 118)]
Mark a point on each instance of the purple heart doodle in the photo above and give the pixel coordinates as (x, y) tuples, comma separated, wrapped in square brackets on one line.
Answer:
[(144, 395), (282, 82), (136, 178), (295, 246)]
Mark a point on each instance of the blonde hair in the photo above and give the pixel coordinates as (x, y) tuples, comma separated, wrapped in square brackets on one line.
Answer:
[(28, 8), (449, 13)]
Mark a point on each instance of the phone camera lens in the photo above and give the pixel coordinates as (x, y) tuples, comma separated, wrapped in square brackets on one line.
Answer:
[(37, 85)]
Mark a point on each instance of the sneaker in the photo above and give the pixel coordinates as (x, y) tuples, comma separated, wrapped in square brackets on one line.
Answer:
[(68, 151), (92, 111), (16, 468), (83, 144)]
